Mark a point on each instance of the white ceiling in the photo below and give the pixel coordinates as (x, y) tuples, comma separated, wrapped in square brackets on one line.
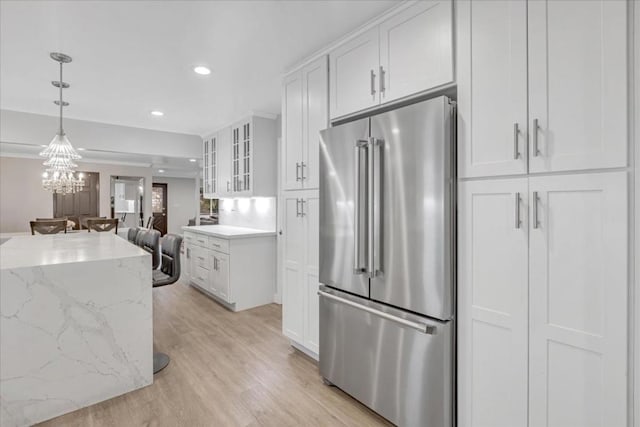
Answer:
[(131, 57)]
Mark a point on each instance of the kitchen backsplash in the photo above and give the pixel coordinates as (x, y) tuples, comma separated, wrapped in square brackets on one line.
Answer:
[(256, 212)]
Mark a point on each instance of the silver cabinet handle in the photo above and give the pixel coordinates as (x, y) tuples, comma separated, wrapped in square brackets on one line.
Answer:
[(215, 263), (382, 73), (302, 166), (297, 171), (357, 269), (228, 186), (302, 202), (535, 138), (372, 77), (188, 252), (535, 209), (370, 206), (516, 153), (517, 211), (201, 258), (421, 327), (297, 207)]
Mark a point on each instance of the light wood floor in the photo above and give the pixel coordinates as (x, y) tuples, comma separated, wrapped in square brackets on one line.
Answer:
[(227, 369)]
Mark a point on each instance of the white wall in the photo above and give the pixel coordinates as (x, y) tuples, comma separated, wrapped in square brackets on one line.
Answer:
[(27, 128), (256, 212), (182, 204), (23, 199)]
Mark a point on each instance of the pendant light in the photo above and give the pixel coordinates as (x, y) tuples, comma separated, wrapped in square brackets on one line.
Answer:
[(59, 176)]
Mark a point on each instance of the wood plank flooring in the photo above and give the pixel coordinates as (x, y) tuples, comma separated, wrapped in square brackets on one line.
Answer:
[(227, 369)]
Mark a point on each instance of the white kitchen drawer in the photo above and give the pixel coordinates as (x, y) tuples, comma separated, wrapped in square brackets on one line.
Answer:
[(196, 239), (217, 244), (201, 258), (201, 277)]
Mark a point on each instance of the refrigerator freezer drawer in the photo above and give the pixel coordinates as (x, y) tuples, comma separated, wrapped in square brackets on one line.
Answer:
[(398, 364)]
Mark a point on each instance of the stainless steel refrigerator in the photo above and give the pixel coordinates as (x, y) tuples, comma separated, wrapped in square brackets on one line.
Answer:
[(387, 262)]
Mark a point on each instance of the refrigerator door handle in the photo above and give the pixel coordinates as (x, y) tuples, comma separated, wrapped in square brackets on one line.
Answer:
[(357, 268), (421, 327), (371, 269)]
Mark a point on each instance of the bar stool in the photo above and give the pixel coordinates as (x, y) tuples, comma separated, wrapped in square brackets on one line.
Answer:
[(168, 274)]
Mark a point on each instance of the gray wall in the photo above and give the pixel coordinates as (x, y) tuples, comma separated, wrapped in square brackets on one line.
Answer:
[(22, 197), (182, 203)]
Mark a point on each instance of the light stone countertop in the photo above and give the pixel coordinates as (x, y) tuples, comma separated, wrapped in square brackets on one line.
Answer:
[(40, 250), (229, 231)]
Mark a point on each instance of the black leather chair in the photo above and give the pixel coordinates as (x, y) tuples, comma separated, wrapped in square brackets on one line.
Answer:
[(132, 234), (149, 240), (168, 274)]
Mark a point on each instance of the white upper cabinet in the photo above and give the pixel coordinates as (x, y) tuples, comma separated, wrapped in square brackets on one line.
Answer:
[(354, 74), (407, 53), (492, 87), (292, 131), (240, 160), (315, 107), (578, 300), (416, 50), (305, 112), (492, 303), (577, 84)]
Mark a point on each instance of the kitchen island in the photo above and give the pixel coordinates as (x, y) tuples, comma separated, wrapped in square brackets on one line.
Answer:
[(75, 323)]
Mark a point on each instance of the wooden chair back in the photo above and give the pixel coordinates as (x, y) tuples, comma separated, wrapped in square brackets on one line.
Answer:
[(48, 226), (102, 224)]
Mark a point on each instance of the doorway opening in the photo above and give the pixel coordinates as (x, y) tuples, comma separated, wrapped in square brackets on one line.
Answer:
[(159, 207), (81, 204), (127, 200)]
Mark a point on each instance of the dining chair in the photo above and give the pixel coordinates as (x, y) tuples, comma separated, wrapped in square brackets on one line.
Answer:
[(102, 224), (48, 226), (82, 220)]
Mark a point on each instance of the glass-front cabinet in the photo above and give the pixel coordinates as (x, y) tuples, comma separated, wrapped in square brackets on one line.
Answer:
[(240, 160)]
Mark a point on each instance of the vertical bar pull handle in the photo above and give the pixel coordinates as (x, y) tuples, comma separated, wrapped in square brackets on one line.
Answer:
[(297, 207), (372, 77), (382, 88), (517, 211), (356, 211), (302, 166), (370, 209), (516, 153), (535, 209), (535, 138), (297, 171), (302, 202)]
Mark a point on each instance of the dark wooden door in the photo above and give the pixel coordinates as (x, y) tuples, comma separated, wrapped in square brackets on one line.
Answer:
[(80, 204), (159, 207)]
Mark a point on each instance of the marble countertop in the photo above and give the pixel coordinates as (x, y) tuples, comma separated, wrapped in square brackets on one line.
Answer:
[(39, 250), (229, 231)]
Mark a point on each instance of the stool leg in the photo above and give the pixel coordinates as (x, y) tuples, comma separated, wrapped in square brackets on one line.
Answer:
[(160, 361)]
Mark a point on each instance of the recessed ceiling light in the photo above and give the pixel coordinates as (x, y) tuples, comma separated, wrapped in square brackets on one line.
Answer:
[(192, 160), (202, 70), (161, 170), (157, 113)]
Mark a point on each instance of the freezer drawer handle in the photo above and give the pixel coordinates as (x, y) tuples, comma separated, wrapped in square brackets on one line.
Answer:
[(421, 327)]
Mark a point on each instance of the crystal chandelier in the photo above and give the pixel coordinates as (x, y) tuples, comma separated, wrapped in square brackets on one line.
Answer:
[(59, 177)]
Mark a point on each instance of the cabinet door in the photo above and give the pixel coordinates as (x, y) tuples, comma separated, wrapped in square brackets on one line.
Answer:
[(416, 50), (578, 291), (292, 135), (577, 84), (293, 289), (213, 164), (206, 184), (316, 118), (492, 88), (354, 74), (241, 159), (221, 273), (492, 303), (224, 162), (186, 261), (310, 211)]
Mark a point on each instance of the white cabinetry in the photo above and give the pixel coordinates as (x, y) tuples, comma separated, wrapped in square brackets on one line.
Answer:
[(493, 313), (578, 300), (301, 268), (543, 277), (240, 160), (408, 53), (237, 272), (573, 57), (304, 115)]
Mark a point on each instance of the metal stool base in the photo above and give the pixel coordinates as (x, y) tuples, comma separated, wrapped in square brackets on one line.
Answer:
[(160, 361)]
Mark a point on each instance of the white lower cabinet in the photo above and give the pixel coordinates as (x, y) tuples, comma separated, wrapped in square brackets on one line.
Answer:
[(542, 273), (240, 273), (300, 269)]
